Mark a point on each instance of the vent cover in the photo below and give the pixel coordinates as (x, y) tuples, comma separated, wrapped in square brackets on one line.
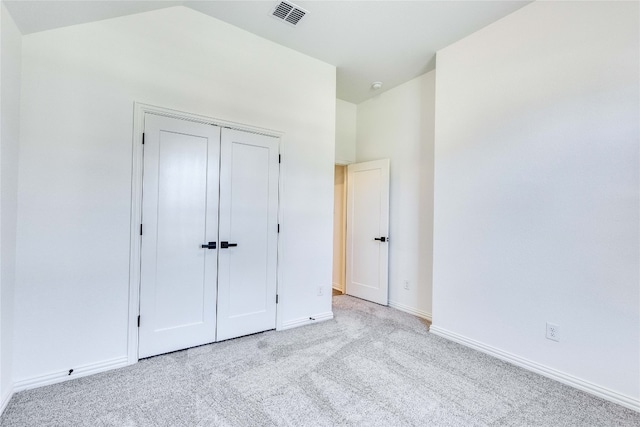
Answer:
[(288, 12)]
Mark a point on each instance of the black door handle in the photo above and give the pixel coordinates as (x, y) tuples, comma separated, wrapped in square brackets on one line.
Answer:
[(225, 245), (210, 245), (382, 239)]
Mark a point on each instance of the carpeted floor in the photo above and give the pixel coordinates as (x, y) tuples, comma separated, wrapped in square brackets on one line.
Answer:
[(370, 366)]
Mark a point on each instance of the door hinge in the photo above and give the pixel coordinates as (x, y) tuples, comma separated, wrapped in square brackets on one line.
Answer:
[(278, 228), (138, 321), (276, 298), (279, 158), (141, 229), (142, 138)]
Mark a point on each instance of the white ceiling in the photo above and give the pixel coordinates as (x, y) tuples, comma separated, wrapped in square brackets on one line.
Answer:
[(390, 41)]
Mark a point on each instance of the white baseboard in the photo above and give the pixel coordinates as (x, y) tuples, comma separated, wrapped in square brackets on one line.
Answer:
[(554, 374), (337, 287), (5, 401), (80, 371), (306, 320), (410, 310)]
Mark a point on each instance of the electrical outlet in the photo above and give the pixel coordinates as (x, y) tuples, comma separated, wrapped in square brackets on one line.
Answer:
[(406, 284), (553, 332), (320, 291)]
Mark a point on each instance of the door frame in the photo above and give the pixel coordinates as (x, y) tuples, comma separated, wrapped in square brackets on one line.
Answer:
[(343, 226), (139, 111)]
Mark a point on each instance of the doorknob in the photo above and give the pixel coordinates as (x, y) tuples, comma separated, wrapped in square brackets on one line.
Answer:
[(225, 245), (210, 245), (382, 239)]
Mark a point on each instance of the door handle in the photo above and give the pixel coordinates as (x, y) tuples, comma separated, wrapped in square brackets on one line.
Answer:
[(210, 245), (225, 245), (381, 239)]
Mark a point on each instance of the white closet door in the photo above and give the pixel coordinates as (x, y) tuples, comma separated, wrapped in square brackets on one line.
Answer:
[(249, 172), (368, 231), (179, 216)]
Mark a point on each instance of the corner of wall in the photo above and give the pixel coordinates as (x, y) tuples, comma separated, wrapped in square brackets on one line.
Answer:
[(3, 404), (5, 399), (10, 82), (399, 125), (345, 132)]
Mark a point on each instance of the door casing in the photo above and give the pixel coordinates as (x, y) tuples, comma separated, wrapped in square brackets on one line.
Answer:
[(140, 109)]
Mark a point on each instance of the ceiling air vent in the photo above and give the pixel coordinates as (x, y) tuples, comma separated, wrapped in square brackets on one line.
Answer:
[(288, 12)]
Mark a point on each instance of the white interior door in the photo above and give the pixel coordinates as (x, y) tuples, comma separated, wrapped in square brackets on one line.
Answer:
[(368, 231), (249, 171), (179, 216)]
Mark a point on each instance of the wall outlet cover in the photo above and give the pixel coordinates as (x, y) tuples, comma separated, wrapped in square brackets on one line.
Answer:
[(553, 332)]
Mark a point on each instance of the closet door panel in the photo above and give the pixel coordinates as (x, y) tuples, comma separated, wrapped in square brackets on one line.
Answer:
[(179, 216), (249, 172)]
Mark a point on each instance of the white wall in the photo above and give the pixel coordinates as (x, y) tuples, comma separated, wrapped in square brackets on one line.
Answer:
[(345, 132), (398, 124), (536, 191), (79, 86), (10, 46)]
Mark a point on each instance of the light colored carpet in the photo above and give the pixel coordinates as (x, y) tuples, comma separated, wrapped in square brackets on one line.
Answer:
[(370, 366)]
